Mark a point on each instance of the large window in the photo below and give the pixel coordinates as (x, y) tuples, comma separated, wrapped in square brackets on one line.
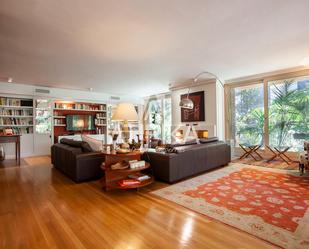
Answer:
[(270, 112), (288, 105), (248, 114), (158, 117)]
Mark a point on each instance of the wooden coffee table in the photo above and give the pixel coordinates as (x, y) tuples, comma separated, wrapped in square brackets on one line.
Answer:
[(111, 177)]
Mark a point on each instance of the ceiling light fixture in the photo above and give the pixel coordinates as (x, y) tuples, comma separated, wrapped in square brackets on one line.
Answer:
[(187, 103)]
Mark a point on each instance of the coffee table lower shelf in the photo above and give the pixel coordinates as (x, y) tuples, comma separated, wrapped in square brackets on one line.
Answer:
[(115, 185)]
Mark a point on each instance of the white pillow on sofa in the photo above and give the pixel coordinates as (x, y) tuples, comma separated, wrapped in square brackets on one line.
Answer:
[(96, 145)]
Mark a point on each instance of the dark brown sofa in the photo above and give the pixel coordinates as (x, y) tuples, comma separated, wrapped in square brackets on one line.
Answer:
[(76, 160), (189, 160)]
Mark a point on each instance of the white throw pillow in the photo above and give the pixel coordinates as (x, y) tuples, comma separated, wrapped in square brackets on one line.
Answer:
[(96, 145)]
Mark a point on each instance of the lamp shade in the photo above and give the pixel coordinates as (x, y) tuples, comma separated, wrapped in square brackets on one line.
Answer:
[(125, 112), (186, 104)]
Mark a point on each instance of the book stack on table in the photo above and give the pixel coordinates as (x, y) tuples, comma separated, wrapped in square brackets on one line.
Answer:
[(134, 179)]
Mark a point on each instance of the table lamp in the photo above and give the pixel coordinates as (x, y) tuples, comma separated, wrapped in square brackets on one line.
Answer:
[(125, 112)]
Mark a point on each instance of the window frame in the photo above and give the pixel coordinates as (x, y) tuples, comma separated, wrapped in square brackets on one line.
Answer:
[(160, 98), (257, 80)]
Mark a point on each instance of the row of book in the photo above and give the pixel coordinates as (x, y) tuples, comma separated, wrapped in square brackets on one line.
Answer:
[(100, 115), (78, 106), (15, 102), (58, 121), (13, 112), (99, 121), (15, 130), (9, 102), (16, 121)]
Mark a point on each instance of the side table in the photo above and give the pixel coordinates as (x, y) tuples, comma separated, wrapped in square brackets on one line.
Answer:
[(112, 177), (279, 152), (249, 150)]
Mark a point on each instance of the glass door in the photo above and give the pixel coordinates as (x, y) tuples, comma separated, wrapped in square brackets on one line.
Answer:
[(43, 126)]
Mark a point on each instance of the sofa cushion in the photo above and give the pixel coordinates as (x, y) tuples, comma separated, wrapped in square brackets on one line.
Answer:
[(71, 142), (86, 147), (96, 145), (189, 142), (208, 140), (170, 149)]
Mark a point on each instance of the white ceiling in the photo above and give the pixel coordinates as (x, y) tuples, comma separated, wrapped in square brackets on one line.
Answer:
[(138, 47)]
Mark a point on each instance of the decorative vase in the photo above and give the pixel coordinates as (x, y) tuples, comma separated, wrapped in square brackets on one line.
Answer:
[(2, 153)]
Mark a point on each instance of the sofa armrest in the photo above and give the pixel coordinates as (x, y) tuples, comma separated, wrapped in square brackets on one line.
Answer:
[(89, 155), (88, 166)]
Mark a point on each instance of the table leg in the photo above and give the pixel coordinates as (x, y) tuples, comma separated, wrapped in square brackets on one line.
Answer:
[(251, 152), (16, 152), (274, 156), (246, 152), (281, 153), (255, 151), (18, 146)]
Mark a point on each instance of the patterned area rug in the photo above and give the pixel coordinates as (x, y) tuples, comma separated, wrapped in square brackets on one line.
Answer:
[(270, 204), (275, 164)]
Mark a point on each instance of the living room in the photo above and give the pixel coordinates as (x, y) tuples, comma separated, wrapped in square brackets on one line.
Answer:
[(124, 123)]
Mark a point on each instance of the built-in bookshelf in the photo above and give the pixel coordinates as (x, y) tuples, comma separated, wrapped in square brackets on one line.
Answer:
[(64, 108), (16, 114)]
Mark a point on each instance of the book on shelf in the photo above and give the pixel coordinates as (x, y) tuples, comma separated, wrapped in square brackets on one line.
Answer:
[(15, 102), (139, 176), (12, 112), (128, 182), (15, 121)]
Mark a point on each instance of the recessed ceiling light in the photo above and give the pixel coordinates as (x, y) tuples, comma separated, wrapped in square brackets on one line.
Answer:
[(305, 61), (10, 80)]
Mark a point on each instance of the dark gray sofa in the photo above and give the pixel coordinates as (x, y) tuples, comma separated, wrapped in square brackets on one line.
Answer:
[(75, 160), (189, 160)]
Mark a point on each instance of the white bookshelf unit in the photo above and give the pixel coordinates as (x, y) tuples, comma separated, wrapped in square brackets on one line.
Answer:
[(16, 114)]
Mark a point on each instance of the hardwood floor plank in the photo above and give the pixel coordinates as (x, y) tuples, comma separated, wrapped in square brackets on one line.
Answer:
[(41, 208)]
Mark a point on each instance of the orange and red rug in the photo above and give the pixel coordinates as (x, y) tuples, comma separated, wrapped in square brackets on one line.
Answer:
[(271, 204)]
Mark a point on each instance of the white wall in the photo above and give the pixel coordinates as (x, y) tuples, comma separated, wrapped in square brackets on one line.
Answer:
[(214, 115)]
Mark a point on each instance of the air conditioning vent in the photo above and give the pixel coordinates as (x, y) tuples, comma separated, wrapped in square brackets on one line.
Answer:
[(37, 90), (115, 98)]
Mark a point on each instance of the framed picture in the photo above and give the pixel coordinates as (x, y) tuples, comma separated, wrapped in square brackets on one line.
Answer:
[(198, 111)]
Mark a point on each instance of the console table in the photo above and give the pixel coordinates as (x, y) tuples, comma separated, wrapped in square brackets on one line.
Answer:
[(111, 177), (13, 139)]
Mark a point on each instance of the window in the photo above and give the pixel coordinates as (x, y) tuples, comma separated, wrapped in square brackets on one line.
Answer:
[(248, 114), (158, 117), (288, 105), (271, 112)]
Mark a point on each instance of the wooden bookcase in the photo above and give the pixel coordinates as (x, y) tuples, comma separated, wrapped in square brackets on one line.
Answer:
[(16, 114), (64, 108)]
